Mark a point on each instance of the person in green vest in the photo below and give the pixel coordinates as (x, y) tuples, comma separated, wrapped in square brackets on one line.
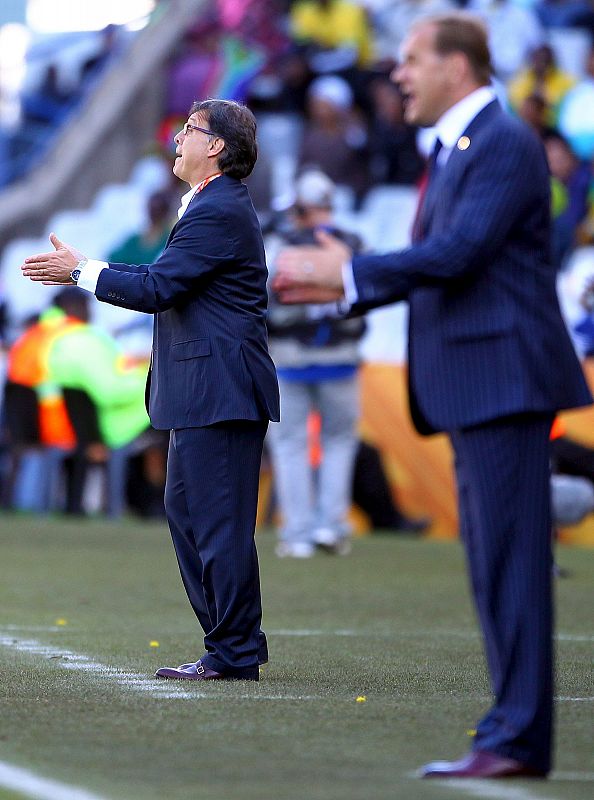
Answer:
[(86, 358), (89, 359)]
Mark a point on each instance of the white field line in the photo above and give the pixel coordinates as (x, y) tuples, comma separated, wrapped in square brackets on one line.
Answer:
[(30, 785), (562, 637), (133, 681), (157, 688), (314, 632)]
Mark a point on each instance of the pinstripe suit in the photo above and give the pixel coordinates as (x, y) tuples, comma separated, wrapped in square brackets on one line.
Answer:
[(490, 362), (213, 385)]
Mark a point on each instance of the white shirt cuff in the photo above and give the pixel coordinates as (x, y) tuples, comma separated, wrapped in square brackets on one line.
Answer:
[(89, 274), (351, 295)]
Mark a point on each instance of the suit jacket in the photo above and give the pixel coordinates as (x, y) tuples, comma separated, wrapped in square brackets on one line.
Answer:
[(207, 290), (486, 336)]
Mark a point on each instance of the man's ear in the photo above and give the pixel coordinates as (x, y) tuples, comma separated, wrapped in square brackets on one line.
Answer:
[(457, 68), (217, 146)]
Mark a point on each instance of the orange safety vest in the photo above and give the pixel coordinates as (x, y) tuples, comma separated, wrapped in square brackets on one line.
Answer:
[(28, 366)]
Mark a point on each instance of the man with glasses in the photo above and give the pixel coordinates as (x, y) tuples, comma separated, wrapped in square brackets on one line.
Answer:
[(212, 383)]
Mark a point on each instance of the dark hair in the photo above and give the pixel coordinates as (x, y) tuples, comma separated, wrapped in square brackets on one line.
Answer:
[(73, 301), (236, 125), (463, 33)]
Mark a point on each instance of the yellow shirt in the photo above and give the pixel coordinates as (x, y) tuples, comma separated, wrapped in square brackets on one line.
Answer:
[(554, 88), (340, 23)]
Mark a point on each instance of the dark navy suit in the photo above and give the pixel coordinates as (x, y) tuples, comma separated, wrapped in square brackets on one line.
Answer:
[(213, 385), (490, 362)]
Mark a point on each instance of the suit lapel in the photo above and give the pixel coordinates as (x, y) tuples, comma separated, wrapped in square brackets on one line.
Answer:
[(456, 162)]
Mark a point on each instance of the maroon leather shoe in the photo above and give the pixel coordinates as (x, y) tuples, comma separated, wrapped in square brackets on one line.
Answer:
[(200, 672), (480, 764), (195, 663)]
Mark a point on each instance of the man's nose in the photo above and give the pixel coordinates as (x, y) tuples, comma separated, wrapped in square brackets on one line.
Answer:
[(397, 74)]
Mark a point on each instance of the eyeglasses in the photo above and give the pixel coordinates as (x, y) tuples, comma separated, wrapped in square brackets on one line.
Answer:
[(189, 127)]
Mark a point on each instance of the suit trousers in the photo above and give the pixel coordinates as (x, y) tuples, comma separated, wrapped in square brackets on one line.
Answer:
[(503, 478), (211, 498)]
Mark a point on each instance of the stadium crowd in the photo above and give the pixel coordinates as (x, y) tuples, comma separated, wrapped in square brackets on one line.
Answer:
[(317, 75)]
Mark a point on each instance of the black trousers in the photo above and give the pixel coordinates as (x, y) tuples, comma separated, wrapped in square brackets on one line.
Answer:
[(503, 477), (211, 498)]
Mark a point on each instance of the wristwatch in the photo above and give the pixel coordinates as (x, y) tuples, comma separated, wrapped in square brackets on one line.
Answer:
[(75, 274)]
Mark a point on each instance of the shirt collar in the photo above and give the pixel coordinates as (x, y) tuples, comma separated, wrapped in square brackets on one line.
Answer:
[(187, 197), (451, 125)]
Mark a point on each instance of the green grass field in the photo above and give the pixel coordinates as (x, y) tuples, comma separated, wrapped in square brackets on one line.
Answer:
[(392, 623)]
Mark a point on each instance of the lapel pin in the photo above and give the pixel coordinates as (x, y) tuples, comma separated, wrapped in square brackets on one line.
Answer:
[(463, 143)]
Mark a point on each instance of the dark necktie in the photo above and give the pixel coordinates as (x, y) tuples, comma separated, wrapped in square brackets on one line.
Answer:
[(431, 170)]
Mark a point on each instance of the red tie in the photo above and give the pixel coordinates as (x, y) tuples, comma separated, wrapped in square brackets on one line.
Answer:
[(431, 169)]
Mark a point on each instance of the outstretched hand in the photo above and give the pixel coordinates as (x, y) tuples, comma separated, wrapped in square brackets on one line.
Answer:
[(53, 268), (312, 274)]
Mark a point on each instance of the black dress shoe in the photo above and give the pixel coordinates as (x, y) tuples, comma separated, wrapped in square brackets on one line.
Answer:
[(200, 672), (480, 764)]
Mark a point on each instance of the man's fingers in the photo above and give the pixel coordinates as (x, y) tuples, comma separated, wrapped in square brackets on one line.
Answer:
[(325, 239), (39, 258), (55, 241), (295, 257), (288, 278), (300, 294)]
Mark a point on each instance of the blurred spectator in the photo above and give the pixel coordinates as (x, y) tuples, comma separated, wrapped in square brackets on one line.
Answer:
[(212, 63), (49, 102), (585, 233), (570, 186), (109, 45), (146, 246), (283, 85), (572, 482), (194, 72), (336, 31), (256, 21), (542, 77), (62, 351), (536, 113), (334, 139), (28, 366), (576, 114), (514, 32), (572, 499), (316, 356), (373, 495), (394, 157), (77, 355), (87, 358)]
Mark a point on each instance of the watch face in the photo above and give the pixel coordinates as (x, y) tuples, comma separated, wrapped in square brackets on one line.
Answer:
[(75, 275)]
